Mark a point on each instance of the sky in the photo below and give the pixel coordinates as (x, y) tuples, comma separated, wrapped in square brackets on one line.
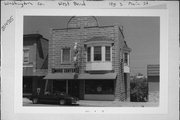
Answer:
[(142, 35)]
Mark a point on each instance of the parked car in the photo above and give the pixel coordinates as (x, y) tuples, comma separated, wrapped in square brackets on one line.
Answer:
[(57, 98)]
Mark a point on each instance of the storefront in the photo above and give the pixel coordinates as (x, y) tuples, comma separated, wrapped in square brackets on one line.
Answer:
[(98, 86), (93, 86)]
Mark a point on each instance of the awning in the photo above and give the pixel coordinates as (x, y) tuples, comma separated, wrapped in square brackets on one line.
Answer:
[(107, 76), (59, 76), (84, 76)]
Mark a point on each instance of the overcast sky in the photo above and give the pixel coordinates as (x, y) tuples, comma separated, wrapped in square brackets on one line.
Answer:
[(141, 34)]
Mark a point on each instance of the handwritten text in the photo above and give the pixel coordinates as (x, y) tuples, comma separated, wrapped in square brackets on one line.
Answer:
[(9, 21), (130, 4), (74, 3), (18, 3)]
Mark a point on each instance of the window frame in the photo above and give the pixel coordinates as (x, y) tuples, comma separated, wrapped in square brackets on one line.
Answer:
[(103, 53), (62, 61), (26, 49), (106, 87), (96, 54), (89, 55), (110, 54), (126, 60)]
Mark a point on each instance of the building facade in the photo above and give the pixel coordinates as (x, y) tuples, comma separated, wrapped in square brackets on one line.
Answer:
[(89, 61), (35, 62)]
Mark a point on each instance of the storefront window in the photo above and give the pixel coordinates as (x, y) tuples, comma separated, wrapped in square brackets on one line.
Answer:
[(99, 87), (59, 86), (97, 53), (27, 85), (65, 55)]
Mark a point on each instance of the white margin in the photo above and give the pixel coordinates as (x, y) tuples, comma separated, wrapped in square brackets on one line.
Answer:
[(163, 14)]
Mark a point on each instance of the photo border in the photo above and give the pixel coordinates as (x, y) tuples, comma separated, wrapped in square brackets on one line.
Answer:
[(163, 101)]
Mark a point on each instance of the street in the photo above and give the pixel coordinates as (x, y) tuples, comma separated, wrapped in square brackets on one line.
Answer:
[(88, 103)]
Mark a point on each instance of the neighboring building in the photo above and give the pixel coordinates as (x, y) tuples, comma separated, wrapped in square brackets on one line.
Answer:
[(103, 61), (153, 77), (35, 62)]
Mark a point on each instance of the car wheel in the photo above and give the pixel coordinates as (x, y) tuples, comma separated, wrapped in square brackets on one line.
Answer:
[(35, 100), (62, 102)]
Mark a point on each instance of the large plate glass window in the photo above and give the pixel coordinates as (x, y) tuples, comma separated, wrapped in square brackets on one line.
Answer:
[(99, 87)]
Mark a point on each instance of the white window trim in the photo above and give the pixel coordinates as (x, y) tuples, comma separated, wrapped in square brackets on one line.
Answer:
[(110, 53), (103, 54), (92, 54)]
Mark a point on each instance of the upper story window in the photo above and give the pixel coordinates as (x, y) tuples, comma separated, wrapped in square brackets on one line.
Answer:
[(126, 59), (66, 55), (97, 53), (108, 53), (89, 54), (26, 56)]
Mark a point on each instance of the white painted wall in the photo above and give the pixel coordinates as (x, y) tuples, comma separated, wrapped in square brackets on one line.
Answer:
[(99, 66)]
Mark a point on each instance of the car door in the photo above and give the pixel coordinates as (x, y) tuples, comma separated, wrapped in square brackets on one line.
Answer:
[(45, 98)]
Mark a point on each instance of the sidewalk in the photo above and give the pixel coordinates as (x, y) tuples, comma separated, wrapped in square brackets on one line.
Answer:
[(116, 104)]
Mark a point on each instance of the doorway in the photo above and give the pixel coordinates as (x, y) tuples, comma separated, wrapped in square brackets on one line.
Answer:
[(73, 88)]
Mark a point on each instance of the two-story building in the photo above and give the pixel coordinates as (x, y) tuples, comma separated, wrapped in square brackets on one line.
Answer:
[(35, 62), (103, 71)]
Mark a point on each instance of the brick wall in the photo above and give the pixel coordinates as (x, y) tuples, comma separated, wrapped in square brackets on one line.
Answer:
[(76, 22), (67, 38)]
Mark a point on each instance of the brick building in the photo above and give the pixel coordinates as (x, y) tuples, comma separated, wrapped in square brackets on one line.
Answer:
[(102, 57), (35, 62)]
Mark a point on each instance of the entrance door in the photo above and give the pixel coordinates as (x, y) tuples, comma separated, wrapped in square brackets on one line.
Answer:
[(73, 88)]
